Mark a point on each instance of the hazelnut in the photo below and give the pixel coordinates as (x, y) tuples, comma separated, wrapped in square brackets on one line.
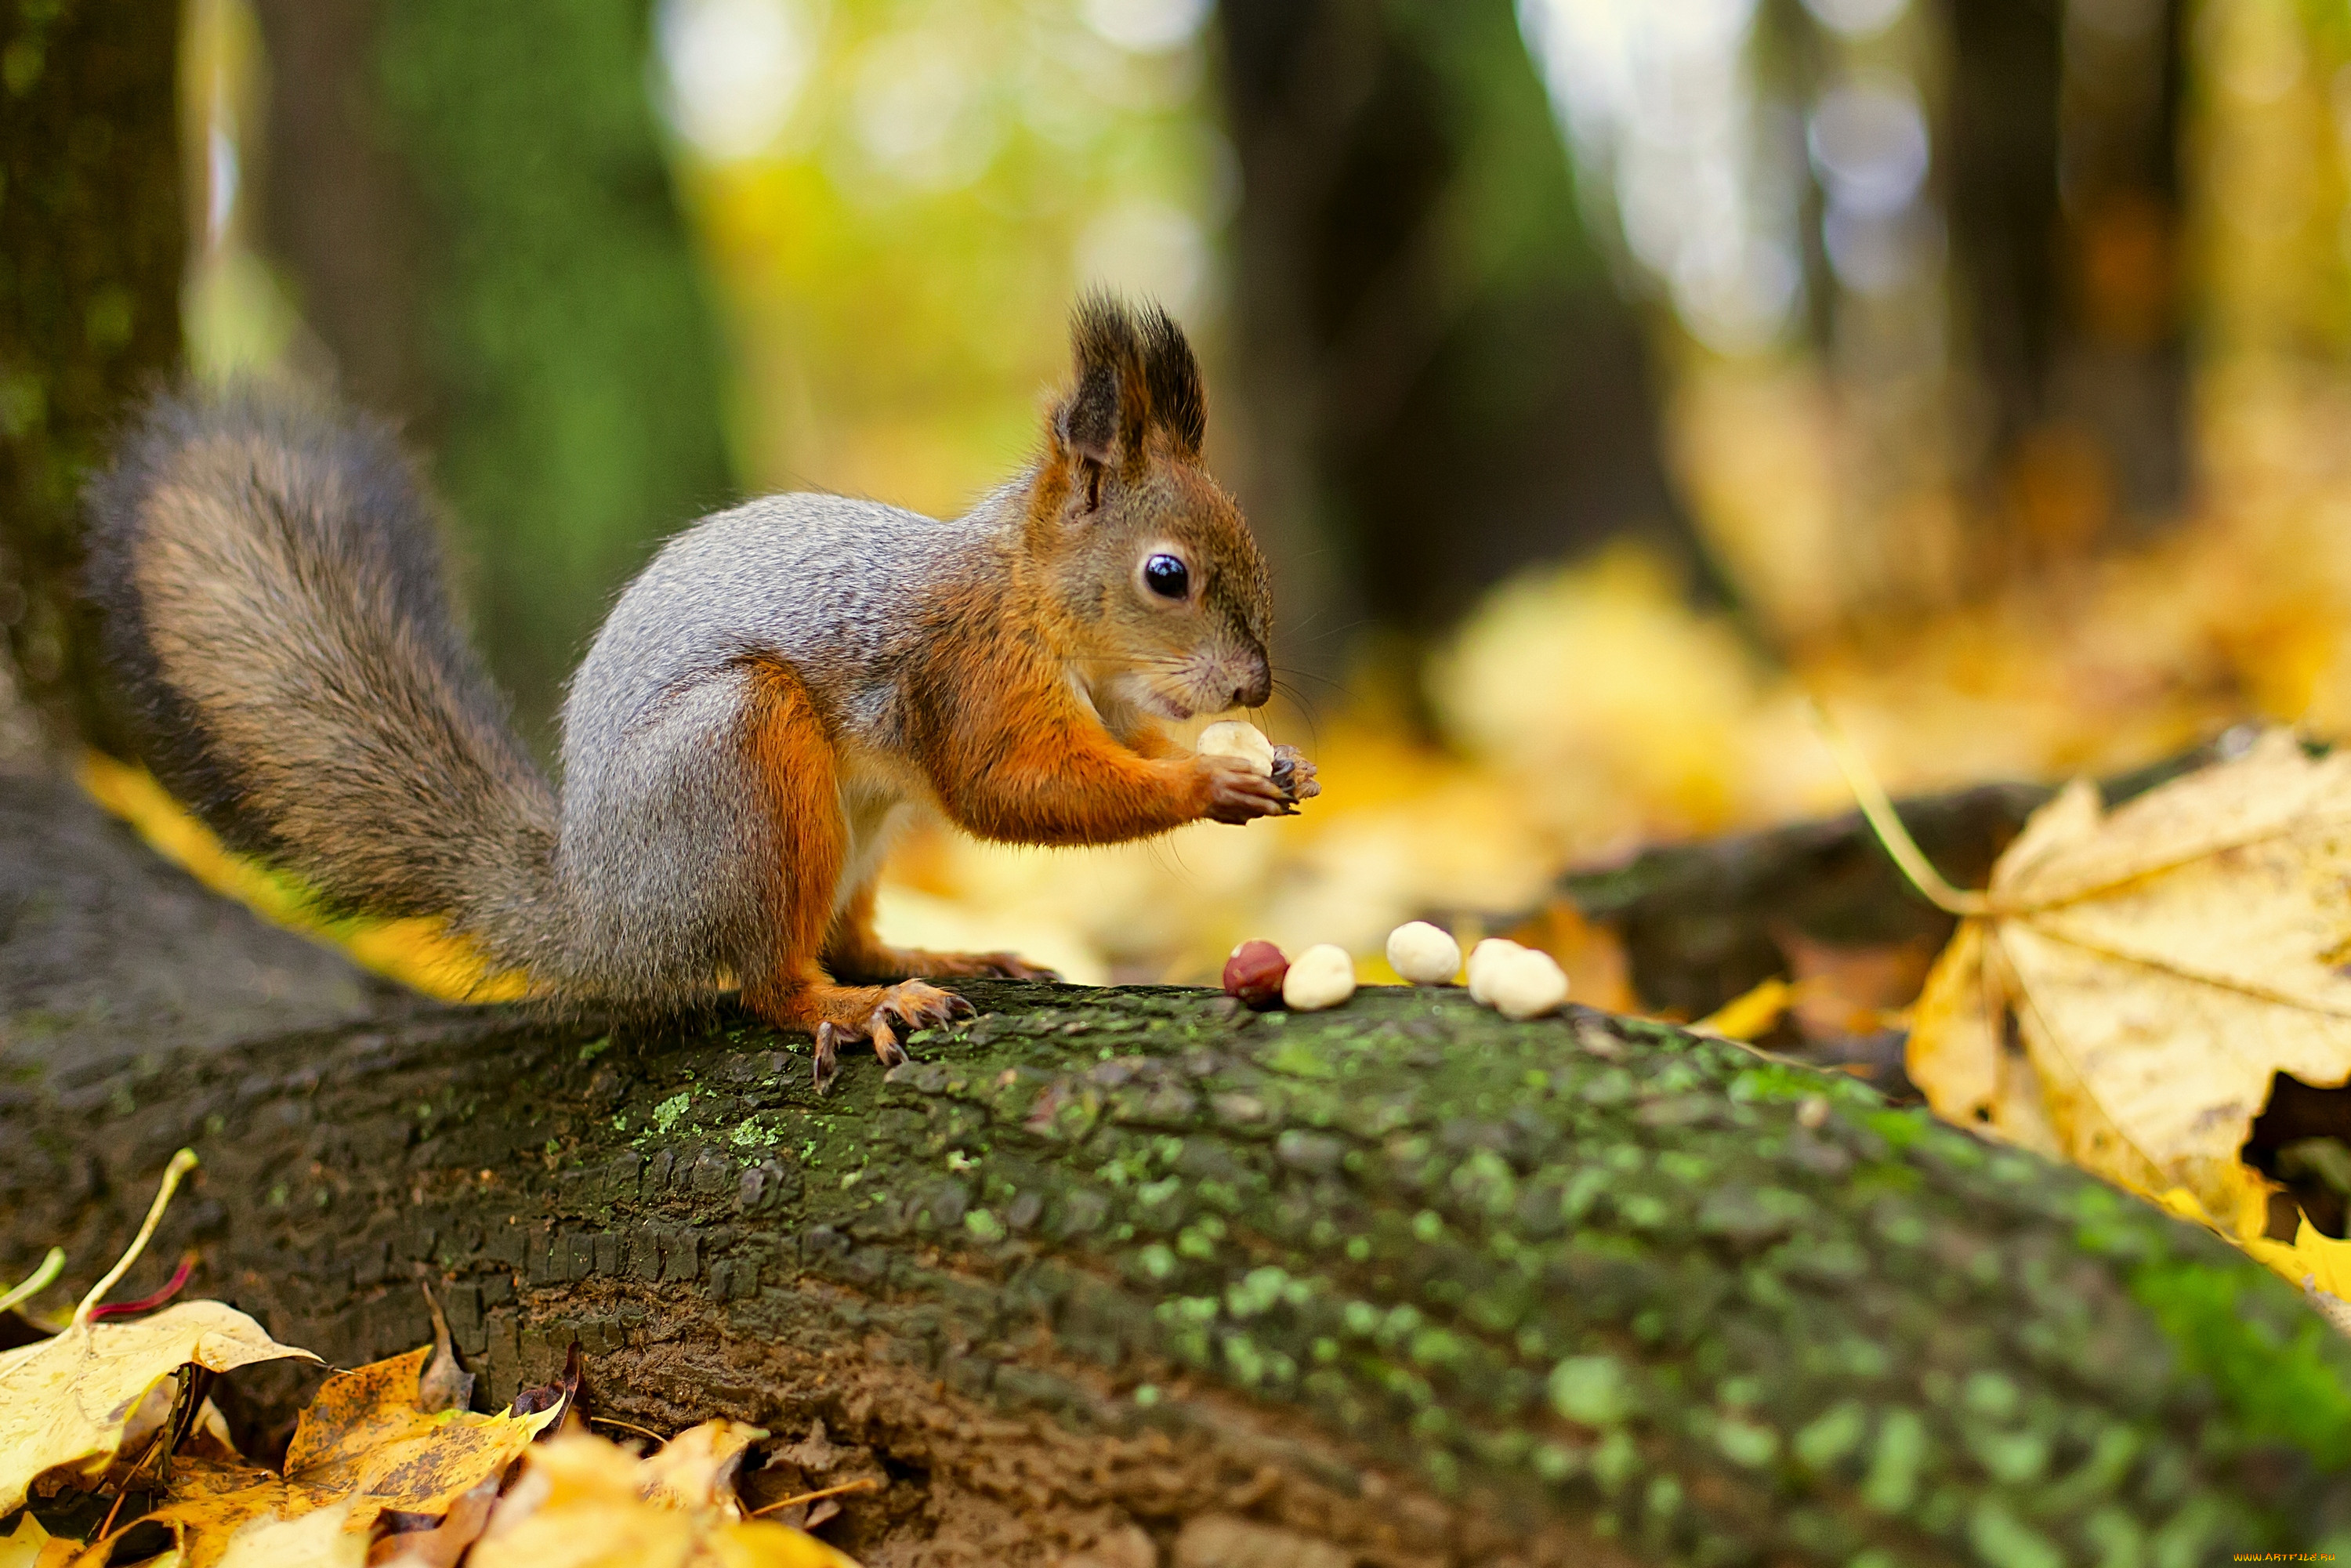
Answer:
[(1254, 974)]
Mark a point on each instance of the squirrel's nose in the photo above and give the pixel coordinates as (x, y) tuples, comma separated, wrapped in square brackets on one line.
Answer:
[(1258, 689)]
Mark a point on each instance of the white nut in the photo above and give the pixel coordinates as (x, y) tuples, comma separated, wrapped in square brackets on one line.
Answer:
[(1484, 959), (1525, 984), (1424, 953), (1241, 741), (1321, 976)]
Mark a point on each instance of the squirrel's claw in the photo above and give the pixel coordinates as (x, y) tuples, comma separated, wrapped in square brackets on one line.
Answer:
[(885, 1040), (915, 1004), (827, 1054)]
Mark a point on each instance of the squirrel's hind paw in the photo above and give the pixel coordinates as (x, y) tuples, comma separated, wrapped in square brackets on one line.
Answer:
[(878, 1014), (986, 965), (922, 964)]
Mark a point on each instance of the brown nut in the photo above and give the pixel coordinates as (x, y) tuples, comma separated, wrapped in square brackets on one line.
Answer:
[(1254, 974)]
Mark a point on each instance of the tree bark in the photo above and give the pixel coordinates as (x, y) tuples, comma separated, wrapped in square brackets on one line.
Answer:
[(1404, 1278), (91, 247)]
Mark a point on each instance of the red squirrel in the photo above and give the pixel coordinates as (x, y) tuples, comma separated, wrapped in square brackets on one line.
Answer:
[(768, 700)]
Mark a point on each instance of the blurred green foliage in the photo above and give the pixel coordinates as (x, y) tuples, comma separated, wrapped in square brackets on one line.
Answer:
[(91, 249), (564, 319), (941, 179)]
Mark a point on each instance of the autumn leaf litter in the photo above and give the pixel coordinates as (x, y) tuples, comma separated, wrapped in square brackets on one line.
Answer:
[(386, 1465)]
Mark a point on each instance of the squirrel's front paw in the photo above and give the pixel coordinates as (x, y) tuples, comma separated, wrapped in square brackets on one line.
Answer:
[(1238, 793), (1294, 775)]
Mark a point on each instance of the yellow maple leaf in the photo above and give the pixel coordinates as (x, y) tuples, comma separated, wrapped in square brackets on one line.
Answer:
[(364, 1445), (355, 1411), (2124, 993), (368, 1433), (69, 1399)]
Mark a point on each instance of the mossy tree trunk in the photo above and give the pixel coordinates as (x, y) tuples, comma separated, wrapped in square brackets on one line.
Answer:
[(91, 248), (1403, 1277)]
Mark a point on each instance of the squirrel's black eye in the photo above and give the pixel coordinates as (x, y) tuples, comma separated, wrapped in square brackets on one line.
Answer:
[(1167, 576)]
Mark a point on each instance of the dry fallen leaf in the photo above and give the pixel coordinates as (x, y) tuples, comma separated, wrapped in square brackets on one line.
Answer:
[(362, 1448), (321, 1538), (70, 1396), (442, 1544), (208, 1507), (442, 1384), (2127, 989), (2317, 1262), (697, 1468), (1750, 1014), (30, 1546), (579, 1505), (354, 1411), (367, 1436)]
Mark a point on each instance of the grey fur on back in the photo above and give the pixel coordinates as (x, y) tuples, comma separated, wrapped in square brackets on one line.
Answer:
[(273, 597)]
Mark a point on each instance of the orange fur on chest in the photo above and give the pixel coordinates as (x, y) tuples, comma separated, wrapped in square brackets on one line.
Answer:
[(1014, 755)]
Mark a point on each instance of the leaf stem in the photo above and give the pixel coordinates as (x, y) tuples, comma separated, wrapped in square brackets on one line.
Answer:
[(862, 1483), (1877, 810), (182, 1164), (39, 1279)]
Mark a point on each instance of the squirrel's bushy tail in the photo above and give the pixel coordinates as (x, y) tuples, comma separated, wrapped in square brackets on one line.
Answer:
[(269, 574)]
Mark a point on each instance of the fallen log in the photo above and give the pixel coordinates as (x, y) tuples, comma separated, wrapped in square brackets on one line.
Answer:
[(1401, 1282)]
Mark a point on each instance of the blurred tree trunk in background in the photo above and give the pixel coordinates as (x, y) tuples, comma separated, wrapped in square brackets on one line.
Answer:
[(474, 208), (2063, 174), (91, 250), (1443, 382)]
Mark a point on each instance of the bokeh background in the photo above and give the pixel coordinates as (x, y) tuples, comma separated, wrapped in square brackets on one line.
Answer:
[(1603, 377)]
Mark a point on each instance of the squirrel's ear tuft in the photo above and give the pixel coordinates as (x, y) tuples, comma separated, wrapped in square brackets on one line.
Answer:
[(1135, 374), (1177, 403)]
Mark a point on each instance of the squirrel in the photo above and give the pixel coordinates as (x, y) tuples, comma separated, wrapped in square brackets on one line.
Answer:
[(784, 684)]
